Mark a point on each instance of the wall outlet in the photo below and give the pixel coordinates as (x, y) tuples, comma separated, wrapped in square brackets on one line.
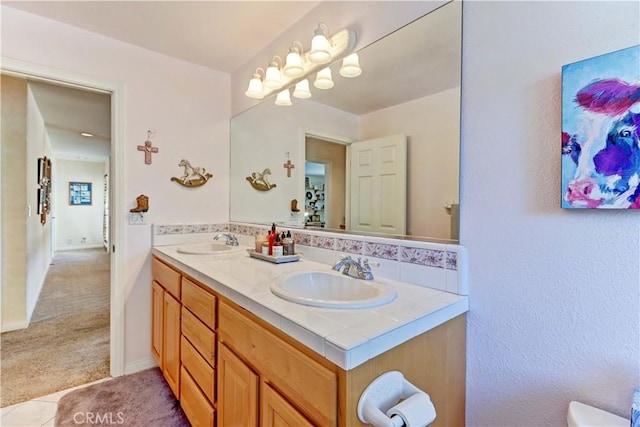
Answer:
[(136, 218)]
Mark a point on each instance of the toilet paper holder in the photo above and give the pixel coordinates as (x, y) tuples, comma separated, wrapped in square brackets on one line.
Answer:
[(377, 402)]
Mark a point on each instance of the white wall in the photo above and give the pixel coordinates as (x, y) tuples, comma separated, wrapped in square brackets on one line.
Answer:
[(38, 235), (554, 294), (77, 222), (13, 149), (432, 156), (188, 108)]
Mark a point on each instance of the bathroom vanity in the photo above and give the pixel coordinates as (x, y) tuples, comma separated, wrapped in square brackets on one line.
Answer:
[(236, 354)]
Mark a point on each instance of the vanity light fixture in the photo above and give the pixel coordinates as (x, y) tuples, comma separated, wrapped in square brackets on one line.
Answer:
[(87, 134), (272, 79), (351, 66), (278, 78), (283, 98), (302, 90), (255, 86), (323, 79), (319, 53), (293, 66)]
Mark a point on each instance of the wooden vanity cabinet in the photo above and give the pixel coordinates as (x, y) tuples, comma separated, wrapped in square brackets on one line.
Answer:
[(297, 387), (238, 391), (306, 384), (231, 368), (166, 322), (276, 411), (198, 353)]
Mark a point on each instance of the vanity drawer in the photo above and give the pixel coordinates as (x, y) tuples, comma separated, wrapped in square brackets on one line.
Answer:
[(200, 370), (305, 382), (201, 337), (196, 407), (199, 302), (166, 276)]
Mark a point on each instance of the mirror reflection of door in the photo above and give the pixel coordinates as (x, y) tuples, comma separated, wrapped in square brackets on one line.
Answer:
[(332, 155), (378, 194), (364, 190)]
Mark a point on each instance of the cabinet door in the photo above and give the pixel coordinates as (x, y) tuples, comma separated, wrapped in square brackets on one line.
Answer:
[(157, 326), (276, 411), (196, 407), (237, 391), (171, 347)]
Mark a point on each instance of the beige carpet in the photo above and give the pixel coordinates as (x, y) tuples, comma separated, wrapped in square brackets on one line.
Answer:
[(142, 399), (67, 342)]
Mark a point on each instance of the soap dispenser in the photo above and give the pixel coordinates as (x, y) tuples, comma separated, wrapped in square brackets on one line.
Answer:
[(289, 245)]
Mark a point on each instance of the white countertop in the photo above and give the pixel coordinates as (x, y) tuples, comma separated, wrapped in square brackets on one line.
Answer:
[(346, 337)]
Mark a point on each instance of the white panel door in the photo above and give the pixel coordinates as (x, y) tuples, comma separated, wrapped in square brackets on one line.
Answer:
[(378, 176)]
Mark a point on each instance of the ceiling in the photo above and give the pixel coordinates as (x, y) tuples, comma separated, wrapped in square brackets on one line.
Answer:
[(222, 35), (157, 26)]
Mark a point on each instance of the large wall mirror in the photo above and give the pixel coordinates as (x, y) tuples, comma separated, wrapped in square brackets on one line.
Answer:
[(409, 91)]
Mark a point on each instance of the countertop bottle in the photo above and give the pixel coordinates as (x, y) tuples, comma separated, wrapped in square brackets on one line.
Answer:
[(290, 247), (277, 247), (259, 239), (272, 239)]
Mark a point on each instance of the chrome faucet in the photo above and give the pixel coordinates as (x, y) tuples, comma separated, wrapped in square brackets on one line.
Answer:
[(231, 239), (353, 268)]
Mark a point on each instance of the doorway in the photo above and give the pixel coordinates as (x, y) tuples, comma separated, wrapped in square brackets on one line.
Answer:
[(327, 183), (36, 72)]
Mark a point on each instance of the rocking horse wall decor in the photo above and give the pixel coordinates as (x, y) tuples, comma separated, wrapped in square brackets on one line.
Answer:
[(192, 176), (260, 181)]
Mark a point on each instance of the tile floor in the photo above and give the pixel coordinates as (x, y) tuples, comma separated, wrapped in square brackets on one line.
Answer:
[(38, 412)]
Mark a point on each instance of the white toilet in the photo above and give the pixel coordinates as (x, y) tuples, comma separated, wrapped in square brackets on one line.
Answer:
[(581, 415)]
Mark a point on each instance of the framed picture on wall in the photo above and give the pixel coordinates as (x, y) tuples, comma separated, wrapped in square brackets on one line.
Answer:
[(41, 169), (41, 200), (600, 117), (79, 193)]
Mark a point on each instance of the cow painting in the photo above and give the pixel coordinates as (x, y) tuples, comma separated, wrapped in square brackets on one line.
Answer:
[(601, 132)]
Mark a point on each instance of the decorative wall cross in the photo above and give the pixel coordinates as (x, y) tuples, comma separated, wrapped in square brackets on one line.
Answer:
[(289, 166), (148, 149)]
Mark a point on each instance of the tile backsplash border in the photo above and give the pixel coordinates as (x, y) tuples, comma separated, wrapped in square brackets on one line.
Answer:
[(439, 266)]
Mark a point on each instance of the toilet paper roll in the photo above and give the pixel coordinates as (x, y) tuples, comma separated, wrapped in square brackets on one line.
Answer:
[(416, 411)]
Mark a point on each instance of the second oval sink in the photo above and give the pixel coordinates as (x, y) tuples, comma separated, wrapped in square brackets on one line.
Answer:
[(332, 290), (208, 248)]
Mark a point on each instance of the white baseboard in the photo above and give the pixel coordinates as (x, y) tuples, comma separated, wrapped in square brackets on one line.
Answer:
[(76, 247), (140, 365), (14, 326)]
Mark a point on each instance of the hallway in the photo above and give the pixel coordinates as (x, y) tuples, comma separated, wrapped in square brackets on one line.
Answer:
[(67, 341)]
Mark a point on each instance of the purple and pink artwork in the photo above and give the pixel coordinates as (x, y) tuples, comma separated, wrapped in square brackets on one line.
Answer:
[(601, 132)]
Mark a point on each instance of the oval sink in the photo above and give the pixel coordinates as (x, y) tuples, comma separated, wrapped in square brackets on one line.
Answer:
[(326, 289), (208, 248)]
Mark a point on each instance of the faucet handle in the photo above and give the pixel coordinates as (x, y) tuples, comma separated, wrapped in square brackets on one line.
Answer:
[(368, 264)]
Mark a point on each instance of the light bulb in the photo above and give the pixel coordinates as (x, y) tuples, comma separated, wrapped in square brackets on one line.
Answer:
[(319, 53), (272, 76), (323, 79), (283, 98), (293, 66), (302, 90), (350, 66), (255, 87)]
